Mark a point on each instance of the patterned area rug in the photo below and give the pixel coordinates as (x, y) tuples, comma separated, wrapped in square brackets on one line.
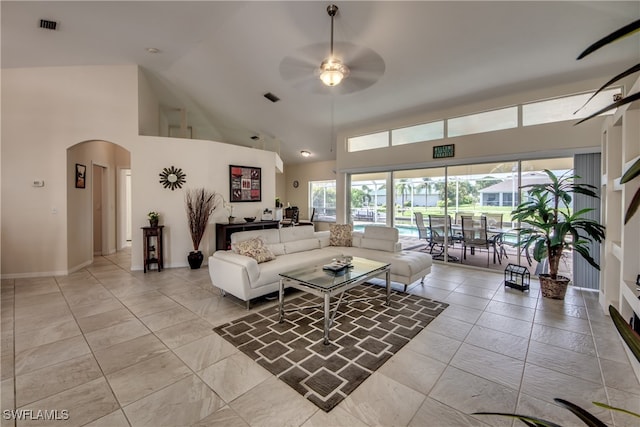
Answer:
[(364, 336)]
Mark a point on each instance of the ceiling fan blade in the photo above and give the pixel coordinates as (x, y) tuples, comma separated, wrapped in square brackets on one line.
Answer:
[(294, 69)]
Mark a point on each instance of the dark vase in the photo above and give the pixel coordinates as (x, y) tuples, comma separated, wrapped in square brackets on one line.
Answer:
[(153, 222), (195, 259)]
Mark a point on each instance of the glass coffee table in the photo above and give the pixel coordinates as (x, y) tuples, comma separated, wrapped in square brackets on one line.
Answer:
[(325, 284)]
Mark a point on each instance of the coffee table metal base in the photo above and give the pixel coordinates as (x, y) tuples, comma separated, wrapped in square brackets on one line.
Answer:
[(326, 295)]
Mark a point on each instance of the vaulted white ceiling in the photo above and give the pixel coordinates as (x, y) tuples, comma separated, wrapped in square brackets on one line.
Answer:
[(217, 59)]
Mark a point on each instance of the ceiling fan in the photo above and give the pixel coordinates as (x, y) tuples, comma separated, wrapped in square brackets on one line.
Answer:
[(348, 68)]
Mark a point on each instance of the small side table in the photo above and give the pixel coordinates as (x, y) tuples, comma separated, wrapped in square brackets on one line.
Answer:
[(152, 253)]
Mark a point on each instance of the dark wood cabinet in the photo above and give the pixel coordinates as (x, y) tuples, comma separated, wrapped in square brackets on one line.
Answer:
[(152, 247), (225, 230)]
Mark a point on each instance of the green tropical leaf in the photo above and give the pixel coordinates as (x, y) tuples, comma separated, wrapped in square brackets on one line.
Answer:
[(620, 76), (633, 207), (531, 421), (624, 101), (613, 408), (632, 172), (627, 30), (586, 417), (629, 336)]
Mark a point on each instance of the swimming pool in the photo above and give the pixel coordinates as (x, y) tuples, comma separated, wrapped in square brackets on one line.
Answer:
[(404, 230)]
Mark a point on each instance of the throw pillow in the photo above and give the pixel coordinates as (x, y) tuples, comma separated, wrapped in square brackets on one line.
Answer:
[(256, 249), (340, 235)]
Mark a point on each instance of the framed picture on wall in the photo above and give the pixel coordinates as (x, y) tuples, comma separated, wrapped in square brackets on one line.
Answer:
[(245, 184), (81, 175)]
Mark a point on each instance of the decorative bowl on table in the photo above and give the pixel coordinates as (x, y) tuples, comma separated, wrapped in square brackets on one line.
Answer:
[(249, 218)]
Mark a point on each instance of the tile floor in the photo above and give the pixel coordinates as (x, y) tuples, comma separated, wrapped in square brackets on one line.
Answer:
[(117, 348)]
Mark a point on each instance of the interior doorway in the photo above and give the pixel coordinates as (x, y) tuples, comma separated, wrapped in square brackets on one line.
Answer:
[(99, 197)]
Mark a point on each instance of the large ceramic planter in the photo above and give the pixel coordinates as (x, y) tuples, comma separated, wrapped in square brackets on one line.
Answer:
[(195, 259), (555, 289)]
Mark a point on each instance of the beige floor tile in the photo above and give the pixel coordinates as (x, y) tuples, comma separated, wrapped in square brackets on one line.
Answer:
[(528, 405), (171, 317), (92, 309), (565, 361), (413, 370), (495, 367), (143, 378), (181, 403), (104, 320), (566, 339), (49, 354), (273, 403), (53, 379), (205, 351), (466, 314), (121, 332), (114, 419), (46, 335), (233, 376), (34, 321), (469, 393), (627, 401), (84, 403), (568, 323), (434, 413), (475, 291), (499, 342), (546, 384), (449, 327), (7, 397), (434, 345), (619, 376), (92, 295), (127, 353), (154, 305), (336, 417), (185, 332), (380, 400), (505, 324), (222, 417), (511, 310), (467, 300)]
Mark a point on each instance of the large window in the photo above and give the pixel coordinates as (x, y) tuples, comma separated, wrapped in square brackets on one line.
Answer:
[(418, 133), (323, 199), (505, 118), (369, 199)]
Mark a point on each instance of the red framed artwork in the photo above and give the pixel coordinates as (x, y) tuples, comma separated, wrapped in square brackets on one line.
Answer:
[(245, 184)]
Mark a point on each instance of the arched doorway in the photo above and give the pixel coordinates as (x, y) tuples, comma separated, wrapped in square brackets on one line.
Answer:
[(98, 208)]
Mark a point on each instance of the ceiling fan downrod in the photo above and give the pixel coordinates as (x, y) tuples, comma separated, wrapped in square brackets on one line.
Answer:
[(332, 70)]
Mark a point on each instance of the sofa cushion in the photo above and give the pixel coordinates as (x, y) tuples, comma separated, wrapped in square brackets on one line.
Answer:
[(256, 249), (301, 245), (378, 244), (381, 232), (277, 248), (269, 236), (290, 234), (340, 235)]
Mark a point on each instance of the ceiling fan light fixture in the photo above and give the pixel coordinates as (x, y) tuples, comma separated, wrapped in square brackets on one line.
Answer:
[(332, 71)]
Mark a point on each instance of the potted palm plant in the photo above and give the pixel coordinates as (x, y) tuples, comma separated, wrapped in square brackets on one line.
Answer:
[(200, 204), (551, 227)]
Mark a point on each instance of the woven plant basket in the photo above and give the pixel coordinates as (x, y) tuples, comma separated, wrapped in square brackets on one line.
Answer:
[(555, 289)]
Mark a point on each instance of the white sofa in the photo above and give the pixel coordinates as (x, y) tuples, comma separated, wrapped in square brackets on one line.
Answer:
[(295, 247)]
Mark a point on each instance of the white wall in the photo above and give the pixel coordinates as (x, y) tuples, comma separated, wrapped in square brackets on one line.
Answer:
[(44, 112), (47, 110), (206, 164)]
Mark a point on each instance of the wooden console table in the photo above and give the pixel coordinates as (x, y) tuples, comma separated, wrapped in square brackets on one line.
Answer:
[(225, 230), (152, 254)]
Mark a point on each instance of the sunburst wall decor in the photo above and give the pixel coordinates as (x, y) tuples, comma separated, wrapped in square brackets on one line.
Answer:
[(172, 178)]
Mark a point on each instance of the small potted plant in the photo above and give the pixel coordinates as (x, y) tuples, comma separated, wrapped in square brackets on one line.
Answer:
[(229, 208), (154, 217), (551, 227)]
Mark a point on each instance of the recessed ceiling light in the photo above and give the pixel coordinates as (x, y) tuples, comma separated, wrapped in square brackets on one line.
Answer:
[(305, 153), (153, 50)]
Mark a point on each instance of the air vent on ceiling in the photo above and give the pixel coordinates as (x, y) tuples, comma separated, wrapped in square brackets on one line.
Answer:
[(271, 97), (255, 137), (48, 25)]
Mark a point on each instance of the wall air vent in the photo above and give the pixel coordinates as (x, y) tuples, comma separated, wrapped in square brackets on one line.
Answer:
[(48, 25), (271, 97)]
